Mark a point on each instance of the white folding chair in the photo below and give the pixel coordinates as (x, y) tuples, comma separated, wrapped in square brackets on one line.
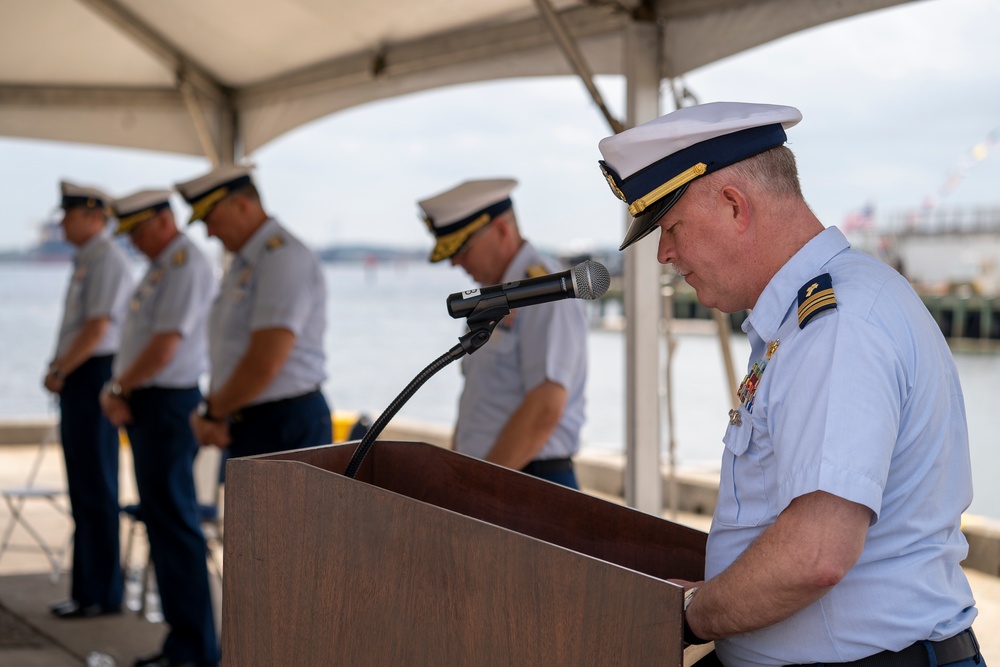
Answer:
[(16, 499)]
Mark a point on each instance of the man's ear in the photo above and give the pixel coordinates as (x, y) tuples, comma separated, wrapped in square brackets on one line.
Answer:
[(241, 204), (503, 227), (737, 204)]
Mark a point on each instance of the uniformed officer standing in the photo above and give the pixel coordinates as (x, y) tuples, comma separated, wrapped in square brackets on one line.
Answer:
[(96, 300), (836, 539), (522, 405), (154, 388), (266, 326)]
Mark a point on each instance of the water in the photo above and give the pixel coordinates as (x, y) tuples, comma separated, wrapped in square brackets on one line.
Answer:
[(386, 324)]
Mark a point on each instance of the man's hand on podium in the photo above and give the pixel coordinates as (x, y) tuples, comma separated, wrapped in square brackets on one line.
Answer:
[(690, 588)]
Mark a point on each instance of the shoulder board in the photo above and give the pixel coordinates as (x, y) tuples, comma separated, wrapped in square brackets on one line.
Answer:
[(537, 270), (179, 257), (275, 242), (815, 297)]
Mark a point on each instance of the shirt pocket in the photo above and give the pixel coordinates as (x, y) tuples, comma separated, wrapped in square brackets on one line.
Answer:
[(743, 491), (502, 345)]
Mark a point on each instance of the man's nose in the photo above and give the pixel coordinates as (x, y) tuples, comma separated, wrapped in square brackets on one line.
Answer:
[(665, 251)]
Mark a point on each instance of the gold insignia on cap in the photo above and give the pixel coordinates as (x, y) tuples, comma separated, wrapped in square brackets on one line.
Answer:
[(204, 206), (275, 242), (614, 186), (129, 222), (686, 176), (179, 257), (449, 244)]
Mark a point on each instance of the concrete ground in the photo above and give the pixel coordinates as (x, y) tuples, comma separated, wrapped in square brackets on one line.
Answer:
[(30, 636)]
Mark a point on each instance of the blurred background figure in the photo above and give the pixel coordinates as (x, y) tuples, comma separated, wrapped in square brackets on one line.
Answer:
[(164, 350), (522, 405), (266, 326), (96, 299)]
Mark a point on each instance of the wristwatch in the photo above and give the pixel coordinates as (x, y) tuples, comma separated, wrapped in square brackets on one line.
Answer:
[(115, 391), (689, 636), (204, 411)]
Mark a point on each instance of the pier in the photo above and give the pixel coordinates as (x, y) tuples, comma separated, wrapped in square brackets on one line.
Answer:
[(969, 321)]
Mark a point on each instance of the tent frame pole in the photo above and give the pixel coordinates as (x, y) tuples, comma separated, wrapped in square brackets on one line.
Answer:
[(643, 477)]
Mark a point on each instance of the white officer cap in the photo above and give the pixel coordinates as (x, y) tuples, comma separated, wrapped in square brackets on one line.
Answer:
[(139, 207), (82, 196), (204, 192), (456, 214), (649, 166)]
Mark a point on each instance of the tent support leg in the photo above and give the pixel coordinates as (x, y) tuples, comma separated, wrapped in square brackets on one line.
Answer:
[(643, 480)]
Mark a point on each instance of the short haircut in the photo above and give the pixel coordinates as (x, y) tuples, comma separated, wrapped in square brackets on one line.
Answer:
[(772, 171), (249, 191)]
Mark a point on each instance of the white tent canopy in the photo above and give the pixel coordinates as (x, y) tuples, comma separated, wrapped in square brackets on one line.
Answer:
[(242, 72), (223, 77)]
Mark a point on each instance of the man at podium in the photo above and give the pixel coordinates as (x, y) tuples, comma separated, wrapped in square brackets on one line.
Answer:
[(836, 538), (522, 405)]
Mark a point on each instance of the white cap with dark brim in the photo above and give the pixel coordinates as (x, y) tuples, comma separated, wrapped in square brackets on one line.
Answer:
[(82, 196), (139, 207), (650, 166), (204, 192), (455, 215)]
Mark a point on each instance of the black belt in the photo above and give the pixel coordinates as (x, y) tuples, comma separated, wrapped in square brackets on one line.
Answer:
[(960, 647), (166, 390), (262, 409), (548, 466)]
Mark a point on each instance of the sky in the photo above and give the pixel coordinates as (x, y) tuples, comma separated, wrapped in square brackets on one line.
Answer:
[(896, 104)]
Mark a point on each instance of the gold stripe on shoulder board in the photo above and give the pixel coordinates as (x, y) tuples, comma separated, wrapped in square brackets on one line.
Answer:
[(537, 271)]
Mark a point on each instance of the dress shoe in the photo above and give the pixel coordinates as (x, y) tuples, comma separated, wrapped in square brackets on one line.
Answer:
[(73, 609), (160, 660)]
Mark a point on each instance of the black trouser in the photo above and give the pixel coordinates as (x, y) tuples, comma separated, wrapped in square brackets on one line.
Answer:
[(164, 448), (90, 446), (559, 471), (276, 426)]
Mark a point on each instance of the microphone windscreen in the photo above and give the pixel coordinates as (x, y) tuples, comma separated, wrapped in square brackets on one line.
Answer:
[(591, 280)]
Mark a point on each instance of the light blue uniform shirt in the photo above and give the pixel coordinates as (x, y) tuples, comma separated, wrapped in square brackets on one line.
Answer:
[(274, 282), (864, 403), (173, 297), (99, 287), (543, 342)]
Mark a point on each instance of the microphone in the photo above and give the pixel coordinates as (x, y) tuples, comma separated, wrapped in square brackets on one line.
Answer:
[(587, 280)]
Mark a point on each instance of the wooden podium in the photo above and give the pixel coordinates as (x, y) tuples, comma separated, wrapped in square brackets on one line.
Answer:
[(430, 557)]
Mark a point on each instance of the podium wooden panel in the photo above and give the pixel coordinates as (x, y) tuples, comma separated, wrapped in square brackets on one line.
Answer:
[(430, 557)]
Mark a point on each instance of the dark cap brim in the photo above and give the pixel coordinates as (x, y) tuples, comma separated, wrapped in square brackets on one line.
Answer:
[(643, 224)]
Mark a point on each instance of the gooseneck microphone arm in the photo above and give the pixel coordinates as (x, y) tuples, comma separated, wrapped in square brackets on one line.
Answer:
[(483, 310), (482, 321)]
